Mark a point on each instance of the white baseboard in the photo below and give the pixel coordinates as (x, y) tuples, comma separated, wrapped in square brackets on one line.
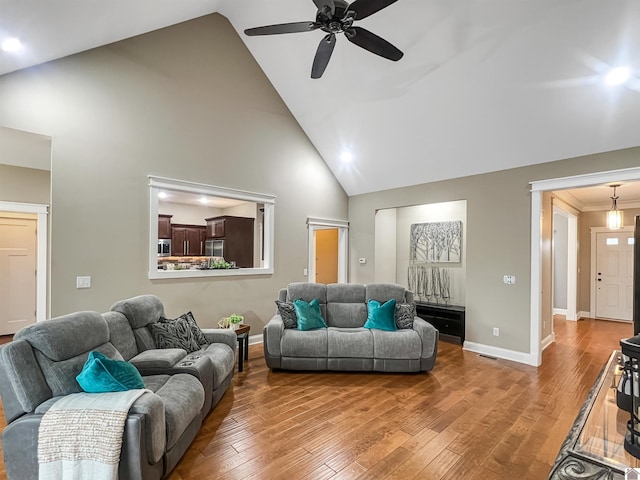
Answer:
[(583, 314), (548, 341), (503, 353), (253, 339), (559, 311)]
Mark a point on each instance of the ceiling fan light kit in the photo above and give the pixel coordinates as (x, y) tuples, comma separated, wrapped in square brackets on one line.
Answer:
[(333, 17)]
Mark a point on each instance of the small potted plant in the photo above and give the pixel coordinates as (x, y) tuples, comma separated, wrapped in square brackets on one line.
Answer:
[(235, 320)]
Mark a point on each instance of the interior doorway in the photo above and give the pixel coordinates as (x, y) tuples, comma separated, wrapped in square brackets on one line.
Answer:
[(326, 256), (329, 239), (18, 261), (39, 215), (537, 190)]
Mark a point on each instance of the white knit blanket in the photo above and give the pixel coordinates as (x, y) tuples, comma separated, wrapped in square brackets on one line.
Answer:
[(80, 436)]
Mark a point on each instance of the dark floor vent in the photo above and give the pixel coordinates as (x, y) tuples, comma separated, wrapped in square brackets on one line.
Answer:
[(487, 356)]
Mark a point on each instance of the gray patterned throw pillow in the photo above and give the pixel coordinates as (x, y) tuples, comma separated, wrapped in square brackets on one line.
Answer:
[(173, 334), (197, 333), (288, 313), (404, 315)]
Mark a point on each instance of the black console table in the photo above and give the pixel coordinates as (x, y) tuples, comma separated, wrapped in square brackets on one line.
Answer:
[(448, 319)]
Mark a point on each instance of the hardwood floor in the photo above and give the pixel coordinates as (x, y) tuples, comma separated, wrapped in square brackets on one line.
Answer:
[(472, 417)]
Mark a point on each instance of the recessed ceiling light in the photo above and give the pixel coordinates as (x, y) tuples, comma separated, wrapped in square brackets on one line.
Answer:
[(617, 76), (346, 157), (11, 45), (203, 200), (162, 195)]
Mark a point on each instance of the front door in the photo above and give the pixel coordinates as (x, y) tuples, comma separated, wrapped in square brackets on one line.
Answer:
[(614, 275), (18, 243)]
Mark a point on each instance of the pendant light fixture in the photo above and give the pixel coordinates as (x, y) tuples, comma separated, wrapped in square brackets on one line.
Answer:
[(614, 216)]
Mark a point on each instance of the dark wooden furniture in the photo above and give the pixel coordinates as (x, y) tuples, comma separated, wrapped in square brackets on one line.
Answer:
[(187, 240), (243, 345), (594, 448), (448, 319), (164, 226), (237, 233)]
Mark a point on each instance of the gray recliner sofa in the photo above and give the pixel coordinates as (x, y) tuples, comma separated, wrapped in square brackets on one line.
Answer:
[(40, 366), (345, 344), (213, 366)]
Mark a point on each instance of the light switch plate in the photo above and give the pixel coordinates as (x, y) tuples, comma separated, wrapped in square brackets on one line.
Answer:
[(509, 279), (83, 282)]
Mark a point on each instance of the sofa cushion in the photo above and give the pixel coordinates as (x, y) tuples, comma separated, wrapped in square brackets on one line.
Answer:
[(349, 343), (385, 291), (309, 314), (307, 292), (195, 329), (401, 344), (120, 334), (405, 312), (66, 336), (346, 305), (298, 343), (173, 334), (140, 310), (102, 374), (381, 316), (287, 312), (158, 358)]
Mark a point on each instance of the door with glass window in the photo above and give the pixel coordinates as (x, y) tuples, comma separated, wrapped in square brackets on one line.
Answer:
[(614, 275)]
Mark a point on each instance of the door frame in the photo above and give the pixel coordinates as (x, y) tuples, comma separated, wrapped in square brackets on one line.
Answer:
[(314, 224), (571, 214), (537, 189), (592, 281), (42, 221)]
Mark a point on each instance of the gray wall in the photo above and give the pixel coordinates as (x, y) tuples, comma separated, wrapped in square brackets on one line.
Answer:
[(186, 102), (25, 185), (497, 238)]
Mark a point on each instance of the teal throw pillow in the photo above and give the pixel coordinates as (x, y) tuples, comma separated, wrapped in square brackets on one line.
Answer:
[(309, 314), (381, 317), (101, 374)]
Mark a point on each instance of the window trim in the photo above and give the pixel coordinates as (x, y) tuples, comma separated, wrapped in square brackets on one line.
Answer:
[(156, 184)]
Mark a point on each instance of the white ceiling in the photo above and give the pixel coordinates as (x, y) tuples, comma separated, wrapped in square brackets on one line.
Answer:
[(483, 85)]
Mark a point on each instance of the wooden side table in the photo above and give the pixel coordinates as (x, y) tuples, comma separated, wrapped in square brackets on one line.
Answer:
[(243, 345)]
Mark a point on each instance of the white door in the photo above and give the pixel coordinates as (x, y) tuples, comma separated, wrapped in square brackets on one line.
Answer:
[(17, 273), (614, 275)]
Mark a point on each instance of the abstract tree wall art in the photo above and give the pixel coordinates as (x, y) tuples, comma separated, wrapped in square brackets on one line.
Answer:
[(436, 242)]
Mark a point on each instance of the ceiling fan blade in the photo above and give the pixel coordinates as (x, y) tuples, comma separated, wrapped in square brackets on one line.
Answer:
[(364, 8), (282, 28), (328, 5), (323, 54), (369, 41)]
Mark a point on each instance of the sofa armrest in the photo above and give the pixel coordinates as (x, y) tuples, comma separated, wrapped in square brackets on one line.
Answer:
[(428, 334), (221, 335), (272, 335), (158, 358)]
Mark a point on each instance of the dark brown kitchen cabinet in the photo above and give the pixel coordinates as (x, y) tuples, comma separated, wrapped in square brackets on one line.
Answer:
[(187, 240), (237, 233), (164, 226)]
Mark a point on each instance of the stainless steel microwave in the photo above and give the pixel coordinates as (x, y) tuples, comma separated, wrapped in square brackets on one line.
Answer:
[(164, 247)]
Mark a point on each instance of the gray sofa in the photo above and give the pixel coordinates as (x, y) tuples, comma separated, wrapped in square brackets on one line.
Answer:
[(345, 344), (40, 365)]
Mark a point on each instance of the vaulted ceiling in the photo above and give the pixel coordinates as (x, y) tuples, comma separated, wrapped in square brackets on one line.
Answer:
[(483, 85)]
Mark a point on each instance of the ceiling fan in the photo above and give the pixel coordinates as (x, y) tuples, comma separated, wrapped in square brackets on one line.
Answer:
[(337, 16)]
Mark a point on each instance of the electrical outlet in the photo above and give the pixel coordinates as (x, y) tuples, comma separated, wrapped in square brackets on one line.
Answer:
[(83, 282), (496, 332), (362, 261)]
